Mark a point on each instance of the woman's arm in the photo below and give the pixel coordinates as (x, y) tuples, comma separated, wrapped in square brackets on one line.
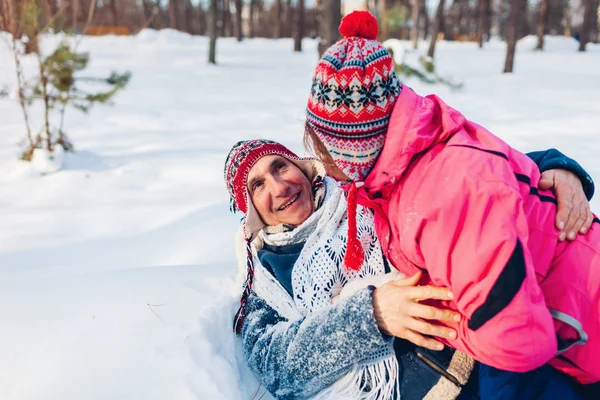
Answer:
[(298, 359)]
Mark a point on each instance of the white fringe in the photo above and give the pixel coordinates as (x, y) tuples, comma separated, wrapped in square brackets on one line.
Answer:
[(381, 377)]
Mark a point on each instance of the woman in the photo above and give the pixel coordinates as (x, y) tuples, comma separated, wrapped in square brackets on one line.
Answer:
[(459, 204), (296, 341)]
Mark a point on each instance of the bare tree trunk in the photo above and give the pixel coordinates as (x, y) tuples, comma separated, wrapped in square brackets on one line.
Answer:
[(462, 16), (523, 29), (595, 11), (289, 17), (20, 85), (331, 15), (512, 35), (148, 13), (589, 11), (227, 25), (278, 20), (488, 19), (568, 14), (47, 10), (62, 140), (541, 30), (336, 19), (299, 34), (214, 16), (45, 97), (5, 25), (423, 21), (114, 12), (415, 16), (10, 16), (251, 26), (43, 79), (436, 28), (482, 21), (53, 7), (238, 20), (220, 18), (8, 22), (75, 12), (155, 12), (383, 21), (202, 19), (173, 14), (189, 18)]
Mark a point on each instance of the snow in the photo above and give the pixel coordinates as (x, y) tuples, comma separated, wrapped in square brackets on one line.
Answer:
[(117, 272), (398, 49), (45, 162)]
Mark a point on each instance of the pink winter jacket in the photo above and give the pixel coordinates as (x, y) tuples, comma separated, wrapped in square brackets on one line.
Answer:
[(454, 200)]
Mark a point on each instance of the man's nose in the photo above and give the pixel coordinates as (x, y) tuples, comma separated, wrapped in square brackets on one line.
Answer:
[(279, 187)]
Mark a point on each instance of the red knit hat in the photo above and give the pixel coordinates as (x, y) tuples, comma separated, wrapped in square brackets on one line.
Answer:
[(353, 94), (241, 158)]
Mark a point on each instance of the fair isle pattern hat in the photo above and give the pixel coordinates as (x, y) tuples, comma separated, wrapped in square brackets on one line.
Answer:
[(353, 94), (240, 160)]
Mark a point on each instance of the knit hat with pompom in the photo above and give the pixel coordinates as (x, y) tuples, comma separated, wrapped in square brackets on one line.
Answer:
[(353, 93)]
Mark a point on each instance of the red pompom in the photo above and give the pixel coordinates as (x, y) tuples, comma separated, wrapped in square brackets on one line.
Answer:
[(359, 24)]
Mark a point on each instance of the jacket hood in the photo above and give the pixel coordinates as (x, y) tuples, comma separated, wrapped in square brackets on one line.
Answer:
[(416, 125)]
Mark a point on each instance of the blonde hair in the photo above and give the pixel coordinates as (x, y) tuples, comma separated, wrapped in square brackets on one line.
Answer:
[(314, 146)]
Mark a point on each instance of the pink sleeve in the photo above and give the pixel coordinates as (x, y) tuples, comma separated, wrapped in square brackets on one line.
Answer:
[(474, 241)]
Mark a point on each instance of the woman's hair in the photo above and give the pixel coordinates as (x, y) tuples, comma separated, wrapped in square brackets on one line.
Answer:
[(314, 146)]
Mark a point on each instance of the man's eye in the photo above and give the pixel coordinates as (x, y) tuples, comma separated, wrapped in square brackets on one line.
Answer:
[(280, 166), (256, 185)]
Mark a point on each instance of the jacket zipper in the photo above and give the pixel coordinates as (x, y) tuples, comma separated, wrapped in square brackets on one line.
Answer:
[(441, 371)]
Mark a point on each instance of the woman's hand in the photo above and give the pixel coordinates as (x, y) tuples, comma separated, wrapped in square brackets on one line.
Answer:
[(398, 312), (574, 214)]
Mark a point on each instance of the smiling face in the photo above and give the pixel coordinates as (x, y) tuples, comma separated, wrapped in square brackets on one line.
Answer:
[(280, 191)]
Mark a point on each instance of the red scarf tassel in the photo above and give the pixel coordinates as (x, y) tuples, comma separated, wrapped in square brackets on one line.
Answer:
[(354, 256)]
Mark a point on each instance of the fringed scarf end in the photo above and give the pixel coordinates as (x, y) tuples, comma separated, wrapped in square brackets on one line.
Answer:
[(378, 381)]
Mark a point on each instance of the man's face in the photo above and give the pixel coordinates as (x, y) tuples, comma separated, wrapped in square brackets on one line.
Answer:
[(280, 191)]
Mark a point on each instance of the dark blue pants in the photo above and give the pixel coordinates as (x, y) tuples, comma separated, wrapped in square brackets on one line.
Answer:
[(542, 383)]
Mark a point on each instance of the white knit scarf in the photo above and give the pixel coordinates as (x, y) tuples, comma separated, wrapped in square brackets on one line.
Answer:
[(319, 275)]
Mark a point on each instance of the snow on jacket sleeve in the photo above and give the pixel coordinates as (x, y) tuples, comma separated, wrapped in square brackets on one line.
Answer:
[(473, 241), (554, 159), (298, 359)]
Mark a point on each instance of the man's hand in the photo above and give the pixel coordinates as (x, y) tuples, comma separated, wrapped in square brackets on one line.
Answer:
[(574, 214), (398, 312)]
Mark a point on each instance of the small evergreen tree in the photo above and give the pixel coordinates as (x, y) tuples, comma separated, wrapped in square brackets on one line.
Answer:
[(424, 70), (58, 83), (59, 87)]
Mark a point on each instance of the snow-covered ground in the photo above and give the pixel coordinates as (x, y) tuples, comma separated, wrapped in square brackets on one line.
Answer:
[(117, 273)]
